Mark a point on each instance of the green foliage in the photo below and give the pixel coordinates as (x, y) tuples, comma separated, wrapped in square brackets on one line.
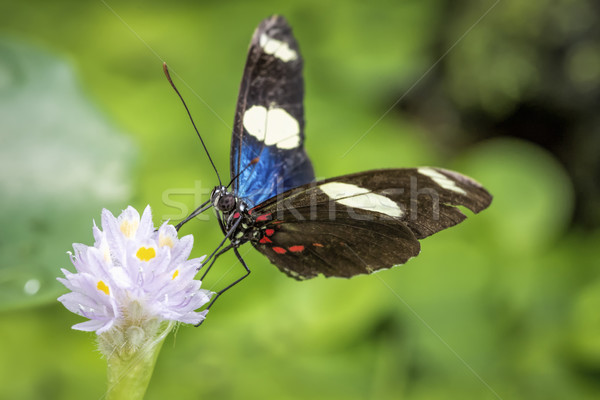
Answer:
[(61, 162), (504, 303)]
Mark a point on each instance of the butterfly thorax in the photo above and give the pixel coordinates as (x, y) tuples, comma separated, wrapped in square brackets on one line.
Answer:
[(234, 216)]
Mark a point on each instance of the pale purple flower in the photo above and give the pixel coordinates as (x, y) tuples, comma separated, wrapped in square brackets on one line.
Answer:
[(133, 272)]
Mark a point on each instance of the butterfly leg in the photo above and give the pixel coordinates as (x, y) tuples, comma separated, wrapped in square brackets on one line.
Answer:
[(214, 258), (220, 292), (214, 253), (203, 207)]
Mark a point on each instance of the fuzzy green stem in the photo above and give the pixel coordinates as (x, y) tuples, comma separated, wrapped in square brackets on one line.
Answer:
[(129, 378), (130, 364)]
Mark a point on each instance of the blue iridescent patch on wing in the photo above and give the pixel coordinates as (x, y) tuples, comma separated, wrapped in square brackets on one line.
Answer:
[(276, 171)]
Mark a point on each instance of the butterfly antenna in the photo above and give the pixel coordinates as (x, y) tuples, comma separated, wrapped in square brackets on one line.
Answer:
[(254, 161), (166, 70)]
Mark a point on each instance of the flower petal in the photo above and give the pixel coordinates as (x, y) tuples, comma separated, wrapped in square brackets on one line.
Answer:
[(94, 325)]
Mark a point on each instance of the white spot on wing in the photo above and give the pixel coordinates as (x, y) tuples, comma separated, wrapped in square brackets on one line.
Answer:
[(357, 197), (277, 48), (441, 180), (274, 126)]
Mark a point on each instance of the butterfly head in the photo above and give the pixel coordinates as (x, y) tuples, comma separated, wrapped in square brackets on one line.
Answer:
[(223, 200)]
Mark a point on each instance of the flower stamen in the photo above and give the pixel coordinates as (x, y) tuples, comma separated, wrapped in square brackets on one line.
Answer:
[(164, 240), (146, 254), (101, 286), (129, 228)]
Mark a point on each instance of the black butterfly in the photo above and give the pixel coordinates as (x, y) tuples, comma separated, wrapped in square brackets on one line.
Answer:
[(344, 226)]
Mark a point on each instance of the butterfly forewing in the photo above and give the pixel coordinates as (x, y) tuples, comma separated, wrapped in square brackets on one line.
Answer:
[(269, 118), (359, 223)]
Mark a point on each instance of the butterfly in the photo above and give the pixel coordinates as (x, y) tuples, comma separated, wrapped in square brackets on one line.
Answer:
[(338, 227)]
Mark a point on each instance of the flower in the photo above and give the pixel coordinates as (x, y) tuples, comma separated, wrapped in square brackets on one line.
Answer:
[(134, 276)]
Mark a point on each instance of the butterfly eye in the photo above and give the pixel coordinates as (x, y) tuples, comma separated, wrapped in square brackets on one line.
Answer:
[(226, 203)]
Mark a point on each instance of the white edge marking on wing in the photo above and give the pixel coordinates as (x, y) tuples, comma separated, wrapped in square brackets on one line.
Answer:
[(277, 48), (441, 180)]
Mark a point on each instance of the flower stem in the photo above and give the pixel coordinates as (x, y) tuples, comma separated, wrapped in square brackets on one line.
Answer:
[(129, 372)]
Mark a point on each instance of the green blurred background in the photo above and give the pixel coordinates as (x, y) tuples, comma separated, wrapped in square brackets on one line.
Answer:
[(506, 305)]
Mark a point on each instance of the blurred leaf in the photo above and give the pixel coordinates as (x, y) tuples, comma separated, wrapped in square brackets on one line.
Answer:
[(533, 196), (586, 325), (60, 163)]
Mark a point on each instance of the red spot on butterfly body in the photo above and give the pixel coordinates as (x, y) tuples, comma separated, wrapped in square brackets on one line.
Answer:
[(269, 232), (265, 240), (318, 245), (279, 250), (263, 217), (296, 249)]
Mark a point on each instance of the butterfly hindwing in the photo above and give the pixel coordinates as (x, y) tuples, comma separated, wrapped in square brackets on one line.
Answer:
[(359, 223), (269, 118), (335, 244)]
